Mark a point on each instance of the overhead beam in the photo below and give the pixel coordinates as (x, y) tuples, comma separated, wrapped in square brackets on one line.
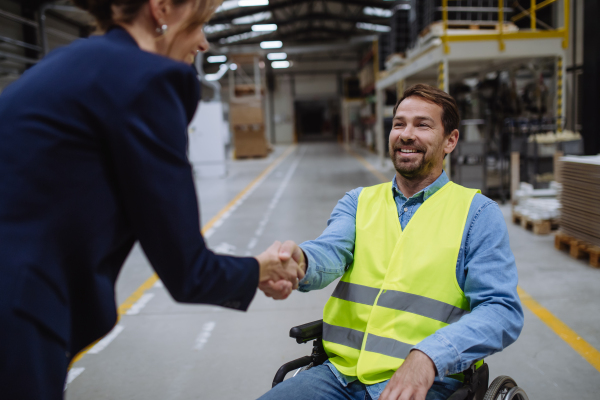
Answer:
[(298, 49), (301, 31), (243, 28), (228, 16)]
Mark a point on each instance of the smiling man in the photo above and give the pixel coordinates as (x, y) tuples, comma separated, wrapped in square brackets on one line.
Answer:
[(429, 283)]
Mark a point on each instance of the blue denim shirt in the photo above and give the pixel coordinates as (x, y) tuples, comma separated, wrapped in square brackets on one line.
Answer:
[(485, 271)]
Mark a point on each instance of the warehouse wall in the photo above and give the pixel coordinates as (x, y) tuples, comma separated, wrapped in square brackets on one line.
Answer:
[(283, 107), (289, 88), (9, 71), (576, 33), (316, 86)]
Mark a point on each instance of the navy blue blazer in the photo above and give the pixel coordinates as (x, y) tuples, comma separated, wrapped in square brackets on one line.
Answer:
[(92, 158)]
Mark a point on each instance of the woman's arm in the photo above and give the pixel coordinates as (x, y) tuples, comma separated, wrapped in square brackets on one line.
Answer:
[(155, 182)]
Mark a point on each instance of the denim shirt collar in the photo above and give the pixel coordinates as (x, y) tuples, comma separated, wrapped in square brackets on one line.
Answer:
[(428, 191)]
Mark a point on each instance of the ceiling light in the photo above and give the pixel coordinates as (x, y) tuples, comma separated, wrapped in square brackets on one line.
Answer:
[(216, 59), (233, 66), (373, 27), (378, 12), (252, 3), (280, 64), (231, 4), (215, 28), (227, 5), (276, 56), (251, 19), (275, 44), (264, 27), (241, 36)]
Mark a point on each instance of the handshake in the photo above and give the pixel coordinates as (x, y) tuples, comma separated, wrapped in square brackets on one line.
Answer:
[(281, 268)]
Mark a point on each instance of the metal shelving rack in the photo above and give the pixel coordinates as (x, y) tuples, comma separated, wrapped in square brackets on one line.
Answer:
[(454, 54)]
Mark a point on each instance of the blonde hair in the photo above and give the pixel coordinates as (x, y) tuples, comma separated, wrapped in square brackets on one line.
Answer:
[(103, 11)]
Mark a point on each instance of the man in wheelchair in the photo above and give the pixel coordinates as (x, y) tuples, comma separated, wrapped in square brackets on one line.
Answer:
[(428, 283)]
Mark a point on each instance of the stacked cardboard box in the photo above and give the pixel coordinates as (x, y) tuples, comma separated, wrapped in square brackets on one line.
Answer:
[(246, 118), (580, 215)]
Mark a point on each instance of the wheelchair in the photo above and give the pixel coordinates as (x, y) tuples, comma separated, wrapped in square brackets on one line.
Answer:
[(475, 386)]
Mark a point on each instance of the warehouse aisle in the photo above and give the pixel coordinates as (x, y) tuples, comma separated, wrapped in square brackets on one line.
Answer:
[(163, 350)]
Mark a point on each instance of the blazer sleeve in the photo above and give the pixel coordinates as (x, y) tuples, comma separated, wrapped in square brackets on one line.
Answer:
[(154, 177)]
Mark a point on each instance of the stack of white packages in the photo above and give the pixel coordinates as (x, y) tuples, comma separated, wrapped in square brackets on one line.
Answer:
[(538, 204), (539, 209), (580, 197)]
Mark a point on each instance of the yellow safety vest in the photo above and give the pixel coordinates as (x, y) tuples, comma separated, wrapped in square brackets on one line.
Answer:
[(401, 286)]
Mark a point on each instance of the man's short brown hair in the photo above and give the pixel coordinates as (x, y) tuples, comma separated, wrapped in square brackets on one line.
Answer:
[(450, 117)]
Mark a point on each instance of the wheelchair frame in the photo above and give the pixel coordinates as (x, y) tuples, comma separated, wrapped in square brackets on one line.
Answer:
[(475, 385)]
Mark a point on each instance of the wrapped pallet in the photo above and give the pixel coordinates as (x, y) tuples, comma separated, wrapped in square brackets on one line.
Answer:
[(246, 107), (246, 116)]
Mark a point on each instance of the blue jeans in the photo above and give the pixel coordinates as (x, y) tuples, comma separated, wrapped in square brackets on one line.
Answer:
[(319, 383)]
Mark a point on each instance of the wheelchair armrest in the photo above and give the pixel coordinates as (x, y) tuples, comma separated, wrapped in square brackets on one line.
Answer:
[(307, 332)]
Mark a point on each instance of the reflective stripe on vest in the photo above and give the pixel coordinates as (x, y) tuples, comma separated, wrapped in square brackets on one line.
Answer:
[(409, 302), (401, 287)]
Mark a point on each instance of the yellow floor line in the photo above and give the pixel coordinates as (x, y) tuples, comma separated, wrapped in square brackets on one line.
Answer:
[(567, 334), (367, 165), (586, 350), (243, 192), (138, 293)]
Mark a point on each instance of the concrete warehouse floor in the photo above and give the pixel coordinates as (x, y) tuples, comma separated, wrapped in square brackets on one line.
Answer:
[(163, 350)]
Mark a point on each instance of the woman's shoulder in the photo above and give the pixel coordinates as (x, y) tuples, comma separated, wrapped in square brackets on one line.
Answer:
[(117, 52), (116, 64)]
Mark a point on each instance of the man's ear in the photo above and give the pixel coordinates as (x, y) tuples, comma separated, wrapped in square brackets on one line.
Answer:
[(160, 10), (451, 141)]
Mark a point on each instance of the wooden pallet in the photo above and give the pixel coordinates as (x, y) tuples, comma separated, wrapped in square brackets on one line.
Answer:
[(538, 227), (578, 248)]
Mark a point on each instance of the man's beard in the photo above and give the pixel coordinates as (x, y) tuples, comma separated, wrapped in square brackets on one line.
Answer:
[(414, 169)]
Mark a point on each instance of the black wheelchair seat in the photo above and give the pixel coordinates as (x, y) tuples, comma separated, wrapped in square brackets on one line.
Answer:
[(475, 385)]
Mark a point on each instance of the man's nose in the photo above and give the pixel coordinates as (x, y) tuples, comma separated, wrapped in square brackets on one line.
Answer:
[(407, 134)]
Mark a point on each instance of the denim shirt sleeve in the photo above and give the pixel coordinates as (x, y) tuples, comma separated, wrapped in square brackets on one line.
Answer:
[(330, 254), (490, 285)]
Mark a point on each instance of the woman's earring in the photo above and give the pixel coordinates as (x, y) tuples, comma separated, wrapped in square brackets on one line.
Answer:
[(162, 29)]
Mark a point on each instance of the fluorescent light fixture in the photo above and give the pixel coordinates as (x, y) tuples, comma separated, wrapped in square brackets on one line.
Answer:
[(277, 56), (252, 19), (227, 5), (241, 36), (215, 28), (373, 27), (264, 27), (216, 59), (275, 44), (233, 66), (378, 12), (402, 7), (253, 3), (280, 64), (231, 4)]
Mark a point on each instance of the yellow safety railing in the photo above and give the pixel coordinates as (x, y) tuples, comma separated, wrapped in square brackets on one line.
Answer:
[(501, 35)]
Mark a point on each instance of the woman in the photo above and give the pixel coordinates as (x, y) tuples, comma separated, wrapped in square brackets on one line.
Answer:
[(93, 158)]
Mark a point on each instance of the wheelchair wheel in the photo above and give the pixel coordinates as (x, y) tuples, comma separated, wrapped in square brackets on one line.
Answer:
[(505, 388)]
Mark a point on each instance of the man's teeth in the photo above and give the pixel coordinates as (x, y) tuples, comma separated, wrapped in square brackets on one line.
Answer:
[(407, 151)]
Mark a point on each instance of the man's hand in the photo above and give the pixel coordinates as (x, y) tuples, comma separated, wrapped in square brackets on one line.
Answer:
[(292, 254), (279, 271), (412, 380)]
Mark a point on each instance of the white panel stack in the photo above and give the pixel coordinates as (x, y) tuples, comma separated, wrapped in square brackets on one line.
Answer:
[(206, 145), (580, 198)]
